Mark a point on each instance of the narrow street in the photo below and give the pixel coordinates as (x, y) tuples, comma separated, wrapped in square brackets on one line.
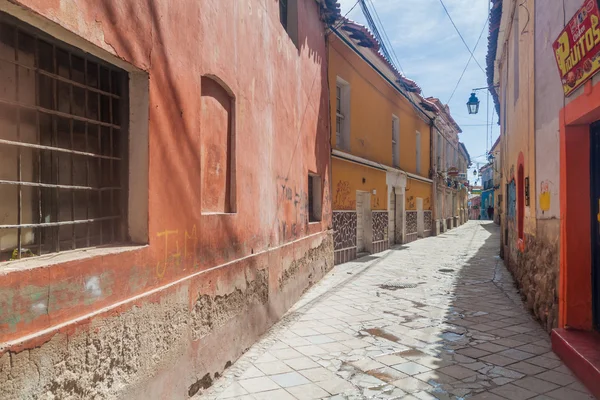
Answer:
[(439, 318)]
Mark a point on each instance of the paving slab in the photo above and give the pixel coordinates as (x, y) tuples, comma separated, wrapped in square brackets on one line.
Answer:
[(438, 318)]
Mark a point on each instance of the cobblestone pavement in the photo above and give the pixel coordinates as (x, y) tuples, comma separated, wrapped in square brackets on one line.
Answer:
[(439, 318)]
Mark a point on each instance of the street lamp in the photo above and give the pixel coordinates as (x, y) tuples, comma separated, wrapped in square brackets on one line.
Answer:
[(473, 104)]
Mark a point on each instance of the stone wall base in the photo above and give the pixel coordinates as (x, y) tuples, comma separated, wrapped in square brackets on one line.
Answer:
[(410, 237), (536, 271), (171, 343), (343, 256), (380, 246)]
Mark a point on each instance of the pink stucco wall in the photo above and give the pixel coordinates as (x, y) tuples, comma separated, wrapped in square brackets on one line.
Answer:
[(282, 134)]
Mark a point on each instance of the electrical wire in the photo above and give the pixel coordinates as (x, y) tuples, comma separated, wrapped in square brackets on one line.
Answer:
[(386, 37), (469, 60), (393, 84), (337, 26), (382, 47), (461, 37)]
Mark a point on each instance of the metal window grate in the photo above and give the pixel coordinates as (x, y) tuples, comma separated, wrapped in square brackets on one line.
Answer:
[(63, 142)]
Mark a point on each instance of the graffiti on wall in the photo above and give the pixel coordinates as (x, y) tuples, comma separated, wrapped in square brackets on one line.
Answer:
[(172, 256), (292, 214), (511, 202), (343, 199), (545, 196), (411, 203), (374, 201)]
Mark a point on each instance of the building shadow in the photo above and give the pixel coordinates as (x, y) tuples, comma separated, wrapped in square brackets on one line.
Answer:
[(461, 330)]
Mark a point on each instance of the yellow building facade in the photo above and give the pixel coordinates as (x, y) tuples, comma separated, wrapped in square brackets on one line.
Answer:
[(381, 144)]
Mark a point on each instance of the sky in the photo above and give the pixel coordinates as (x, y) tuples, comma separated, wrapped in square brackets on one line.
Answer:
[(431, 53)]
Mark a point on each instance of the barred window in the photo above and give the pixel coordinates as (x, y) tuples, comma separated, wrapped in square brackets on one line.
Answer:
[(63, 145)]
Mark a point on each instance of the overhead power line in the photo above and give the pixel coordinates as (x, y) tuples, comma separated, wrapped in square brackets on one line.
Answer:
[(345, 15), (461, 37), (373, 26), (469, 60), (386, 36)]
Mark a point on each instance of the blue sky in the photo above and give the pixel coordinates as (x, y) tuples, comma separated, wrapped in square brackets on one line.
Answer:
[(431, 53)]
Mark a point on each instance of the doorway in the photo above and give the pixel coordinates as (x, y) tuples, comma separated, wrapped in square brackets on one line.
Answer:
[(364, 224), (392, 219), (595, 214), (399, 232), (420, 218)]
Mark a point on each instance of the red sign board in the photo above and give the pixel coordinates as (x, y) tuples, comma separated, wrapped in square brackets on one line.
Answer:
[(577, 48)]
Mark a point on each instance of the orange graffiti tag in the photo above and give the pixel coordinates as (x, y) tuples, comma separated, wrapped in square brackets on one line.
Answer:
[(160, 269), (194, 238)]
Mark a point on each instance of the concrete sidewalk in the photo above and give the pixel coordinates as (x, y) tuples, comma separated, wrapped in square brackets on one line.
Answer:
[(439, 318)]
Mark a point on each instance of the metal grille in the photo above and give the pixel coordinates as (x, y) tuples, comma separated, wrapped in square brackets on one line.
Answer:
[(63, 138)]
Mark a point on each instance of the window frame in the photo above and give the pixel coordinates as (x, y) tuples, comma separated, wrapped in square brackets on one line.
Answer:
[(343, 138), (315, 195), (288, 18), (231, 208), (339, 116), (134, 173), (395, 141), (418, 151), (283, 13)]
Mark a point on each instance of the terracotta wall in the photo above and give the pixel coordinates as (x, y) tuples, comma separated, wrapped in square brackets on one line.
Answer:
[(414, 189), (262, 257)]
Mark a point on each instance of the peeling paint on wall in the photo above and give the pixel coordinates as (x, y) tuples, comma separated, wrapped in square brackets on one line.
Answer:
[(92, 286)]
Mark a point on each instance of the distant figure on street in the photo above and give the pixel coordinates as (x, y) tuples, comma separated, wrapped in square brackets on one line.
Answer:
[(490, 211)]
